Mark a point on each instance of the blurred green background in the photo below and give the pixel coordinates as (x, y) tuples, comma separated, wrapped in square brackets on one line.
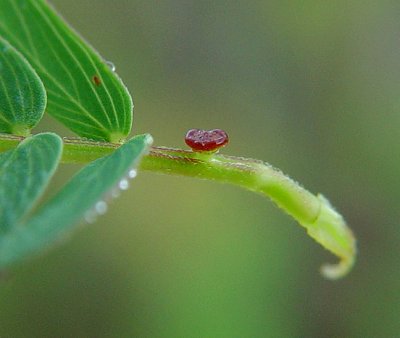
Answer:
[(309, 86)]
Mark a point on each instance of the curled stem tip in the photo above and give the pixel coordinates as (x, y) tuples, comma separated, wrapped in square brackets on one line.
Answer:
[(331, 231), (315, 213)]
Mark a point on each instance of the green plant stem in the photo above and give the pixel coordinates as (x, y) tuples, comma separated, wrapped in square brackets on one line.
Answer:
[(314, 213)]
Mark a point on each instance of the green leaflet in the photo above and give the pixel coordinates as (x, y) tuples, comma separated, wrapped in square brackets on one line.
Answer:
[(83, 92), (84, 193), (85, 95), (24, 174), (22, 94)]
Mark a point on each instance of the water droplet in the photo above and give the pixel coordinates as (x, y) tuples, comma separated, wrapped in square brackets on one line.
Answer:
[(111, 66), (115, 193), (90, 216), (123, 184), (101, 207), (149, 140), (132, 173)]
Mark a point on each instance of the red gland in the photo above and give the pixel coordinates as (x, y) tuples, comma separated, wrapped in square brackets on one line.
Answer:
[(206, 140)]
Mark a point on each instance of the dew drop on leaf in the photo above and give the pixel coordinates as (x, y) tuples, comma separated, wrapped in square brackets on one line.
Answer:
[(132, 173), (111, 66), (116, 192), (123, 184), (101, 207), (90, 216)]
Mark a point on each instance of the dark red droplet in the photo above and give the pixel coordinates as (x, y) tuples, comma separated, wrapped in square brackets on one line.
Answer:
[(206, 140), (96, 80)]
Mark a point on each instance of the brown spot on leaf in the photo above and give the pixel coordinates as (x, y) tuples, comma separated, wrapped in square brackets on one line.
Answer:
[(96, 80)]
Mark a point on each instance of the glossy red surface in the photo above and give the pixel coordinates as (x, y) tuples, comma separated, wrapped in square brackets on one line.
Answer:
[(206, 140)]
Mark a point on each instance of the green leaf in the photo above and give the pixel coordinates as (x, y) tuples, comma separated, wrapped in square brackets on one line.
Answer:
[(85, 194), (83, 92), (22, 94), (24, 174)]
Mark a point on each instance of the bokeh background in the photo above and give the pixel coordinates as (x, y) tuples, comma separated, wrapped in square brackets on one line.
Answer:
[(309, 86)]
